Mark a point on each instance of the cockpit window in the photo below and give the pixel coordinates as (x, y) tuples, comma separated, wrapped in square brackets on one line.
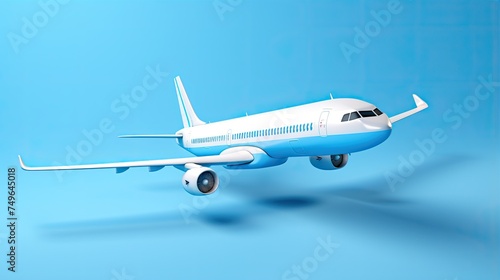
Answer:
[(354, 115), (366, 114), (345, 117), (361, 114)]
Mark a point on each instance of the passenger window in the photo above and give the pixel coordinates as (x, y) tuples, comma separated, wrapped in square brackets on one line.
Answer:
[(345, 117), (354, 115)]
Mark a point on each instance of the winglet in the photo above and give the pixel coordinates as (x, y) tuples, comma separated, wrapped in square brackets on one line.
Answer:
[(23, 166), (419, 102), (421, 105)]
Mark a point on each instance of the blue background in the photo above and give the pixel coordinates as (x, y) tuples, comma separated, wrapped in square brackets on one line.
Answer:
[(442, 222)]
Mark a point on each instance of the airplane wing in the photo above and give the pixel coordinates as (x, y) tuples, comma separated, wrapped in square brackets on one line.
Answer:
[(421, 105), (238, 157)]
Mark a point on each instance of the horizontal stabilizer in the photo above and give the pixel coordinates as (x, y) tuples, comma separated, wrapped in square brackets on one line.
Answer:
[(152, 136)]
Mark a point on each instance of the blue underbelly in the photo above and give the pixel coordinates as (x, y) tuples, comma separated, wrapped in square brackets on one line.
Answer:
[(307, 146)]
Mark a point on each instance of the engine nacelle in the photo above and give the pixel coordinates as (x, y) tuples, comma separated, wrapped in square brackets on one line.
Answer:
[(200, 181), (329, 162)]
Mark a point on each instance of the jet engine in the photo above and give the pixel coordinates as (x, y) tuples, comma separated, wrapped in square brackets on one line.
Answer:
[(200, 181), (331, 162)]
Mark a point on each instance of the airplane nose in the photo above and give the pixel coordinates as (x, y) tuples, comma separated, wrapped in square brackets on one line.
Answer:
[(377, 129), (379, 123), (389, 123)]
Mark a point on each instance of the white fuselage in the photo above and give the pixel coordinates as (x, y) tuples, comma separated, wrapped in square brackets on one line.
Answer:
[(306, 130)]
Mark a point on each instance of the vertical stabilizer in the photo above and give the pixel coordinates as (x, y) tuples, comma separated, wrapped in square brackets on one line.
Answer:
[(189, 117)]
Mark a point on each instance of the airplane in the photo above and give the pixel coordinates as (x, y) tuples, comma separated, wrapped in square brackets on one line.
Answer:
[(326, 131)]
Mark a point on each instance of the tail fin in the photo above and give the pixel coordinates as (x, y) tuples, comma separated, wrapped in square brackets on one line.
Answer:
[(189, 117)]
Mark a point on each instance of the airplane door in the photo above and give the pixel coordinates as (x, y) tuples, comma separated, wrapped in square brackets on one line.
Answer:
[(229, 135), (323, 119)]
